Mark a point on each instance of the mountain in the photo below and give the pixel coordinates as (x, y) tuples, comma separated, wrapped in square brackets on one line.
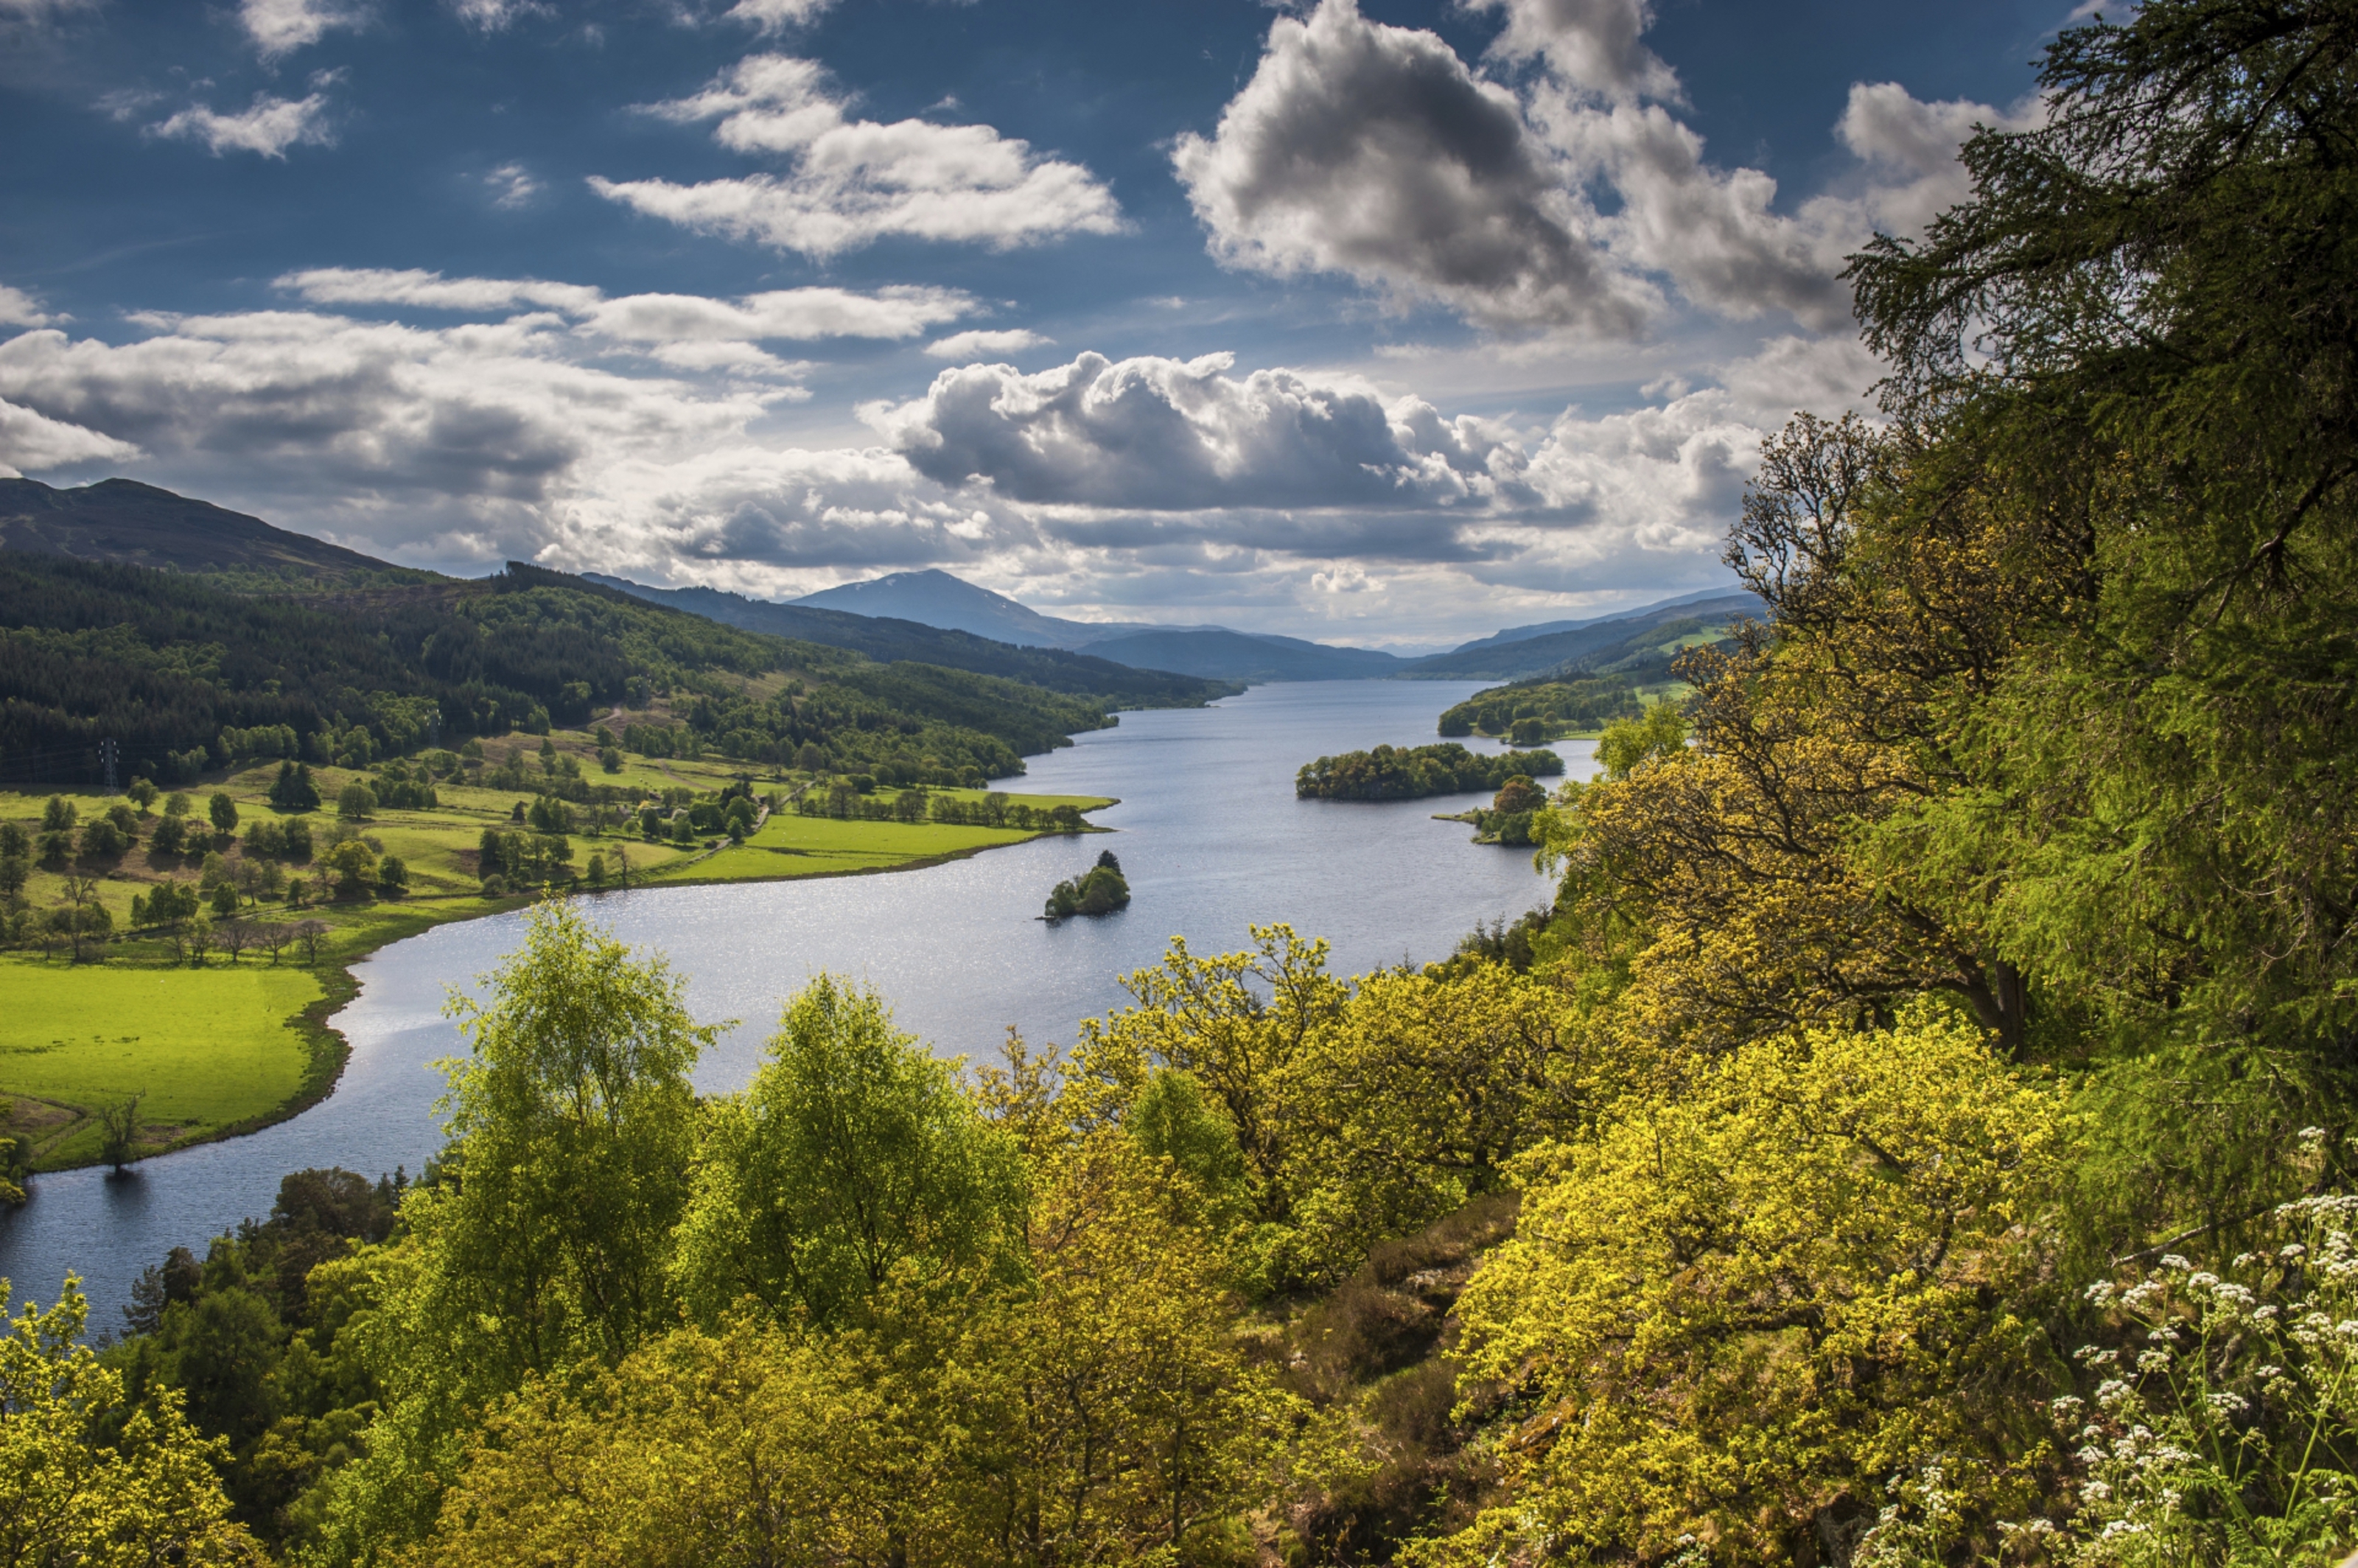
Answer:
[(1542, 628), (934, 598), (138, 524), (1650, 636), (1211, 653), (890, 638), (1217, 654)]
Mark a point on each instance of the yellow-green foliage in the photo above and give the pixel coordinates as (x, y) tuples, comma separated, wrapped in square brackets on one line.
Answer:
[(90, 1474), (1768, 1289)]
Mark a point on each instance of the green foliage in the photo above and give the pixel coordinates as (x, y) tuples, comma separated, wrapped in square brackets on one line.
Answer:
[(1542, 710), (1101, 890), (852, 1158), (1389, 772), (88, 1475)]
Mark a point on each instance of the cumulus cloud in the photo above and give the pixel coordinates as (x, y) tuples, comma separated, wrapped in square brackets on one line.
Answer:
[(1171, 434), (975, 344), (18, 309), (1714, 231), (1376, 153), (854, 182), (31, 440), (281, 26), (1591, 44), (1373, 151), (269, 126)]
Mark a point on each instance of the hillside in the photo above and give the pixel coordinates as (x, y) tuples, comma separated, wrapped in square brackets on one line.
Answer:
[(1208, 653), (1220, 655), (888, 638), (1630, 644), (934, 598), (1543, 628), (138, 524), (165, 664)]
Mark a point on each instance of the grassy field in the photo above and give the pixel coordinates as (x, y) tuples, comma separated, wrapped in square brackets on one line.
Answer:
[(227, 1047), (206, 1049)]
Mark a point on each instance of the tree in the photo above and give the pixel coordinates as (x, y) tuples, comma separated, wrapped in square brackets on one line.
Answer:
[(1745, 1305), (88, 922), (392, 876), (222, 811), (293, 789), (92, 1475), (308, 936), (852, 1155), (169, 838), (142, 793), (354, 865), (356, 801), (118, 1121), (545, 1250)]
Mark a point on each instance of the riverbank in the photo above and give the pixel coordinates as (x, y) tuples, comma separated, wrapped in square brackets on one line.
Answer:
[(223, 1044)]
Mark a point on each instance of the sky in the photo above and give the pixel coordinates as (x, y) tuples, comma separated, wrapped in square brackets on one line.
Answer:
[(1389, 322)]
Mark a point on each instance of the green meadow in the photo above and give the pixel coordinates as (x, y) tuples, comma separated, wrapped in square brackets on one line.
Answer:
[(225, 1048)]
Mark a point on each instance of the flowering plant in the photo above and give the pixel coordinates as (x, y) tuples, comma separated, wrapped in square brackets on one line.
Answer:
[(2222, 1426)]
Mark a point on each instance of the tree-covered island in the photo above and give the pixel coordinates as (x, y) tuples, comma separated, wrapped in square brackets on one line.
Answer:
[(1411, 772), (1101, 890)]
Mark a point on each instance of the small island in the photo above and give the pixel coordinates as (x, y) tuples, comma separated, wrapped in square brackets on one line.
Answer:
[(1549, 708), (1098, 891), (1411, 772), (1506, 820)]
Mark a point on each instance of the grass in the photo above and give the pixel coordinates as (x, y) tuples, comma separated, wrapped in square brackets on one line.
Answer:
[(228, 1048), (207, 1049)]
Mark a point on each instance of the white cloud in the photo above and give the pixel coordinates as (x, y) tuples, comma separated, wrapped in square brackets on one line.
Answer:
[(975, 344), (732, 358), (18, 309), (1372, 151), (269, 127), (38, 11), (432, 291), (1591, 44), (1376, 153), (511, 185), (895, 311), (856, 181), (898, 310), (31, 440), (1174, 435), (495, 15), (776, 15), (281, 26), (1714, 231)]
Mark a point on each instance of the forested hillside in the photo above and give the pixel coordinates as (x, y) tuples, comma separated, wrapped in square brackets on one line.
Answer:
[(163, 663), (1918, 1132)]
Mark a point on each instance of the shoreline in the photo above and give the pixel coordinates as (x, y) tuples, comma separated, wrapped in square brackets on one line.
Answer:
[(330, 1051)]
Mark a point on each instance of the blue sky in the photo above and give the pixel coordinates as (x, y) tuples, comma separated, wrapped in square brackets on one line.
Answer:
[(1386, 323)]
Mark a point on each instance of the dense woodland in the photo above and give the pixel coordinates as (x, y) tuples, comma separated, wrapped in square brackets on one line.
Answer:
[(1411, 772), (1918, 1133), (1527, 712), (168, 663)]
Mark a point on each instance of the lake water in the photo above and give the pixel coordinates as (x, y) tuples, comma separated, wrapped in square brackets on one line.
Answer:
[(1209, 836)]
